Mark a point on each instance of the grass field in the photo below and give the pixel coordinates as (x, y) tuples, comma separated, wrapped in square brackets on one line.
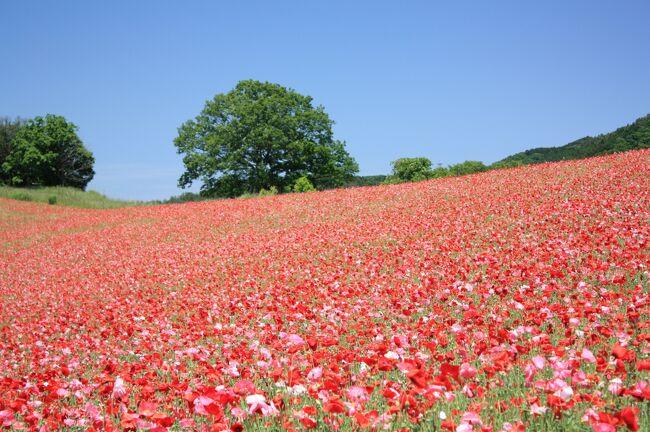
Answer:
[(511, 300), (65, 196)]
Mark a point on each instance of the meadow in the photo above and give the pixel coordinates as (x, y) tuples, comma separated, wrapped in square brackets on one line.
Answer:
[(511, 300)]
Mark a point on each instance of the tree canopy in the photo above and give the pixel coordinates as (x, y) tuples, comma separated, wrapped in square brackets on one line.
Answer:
[(258, 136), (419, 168), (467, 167), (410, 170), (8, 130), (46, 151)]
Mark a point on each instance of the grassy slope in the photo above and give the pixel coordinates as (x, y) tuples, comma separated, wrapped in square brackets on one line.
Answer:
[(65, 196)]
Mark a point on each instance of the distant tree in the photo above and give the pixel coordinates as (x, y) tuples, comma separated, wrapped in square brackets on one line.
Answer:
[(506, 164), (303, 185), (8, 130), (467, 167), (261, 135), (440, 172), (410, 170), (371, 180), (46, 151), (183, 198)]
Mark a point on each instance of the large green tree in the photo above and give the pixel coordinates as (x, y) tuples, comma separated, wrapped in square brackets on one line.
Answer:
[(261, 135), (47, 151), (8, 130)]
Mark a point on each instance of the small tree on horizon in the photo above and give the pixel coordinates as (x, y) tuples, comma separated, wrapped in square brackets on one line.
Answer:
[(467, 167), (410, 170)]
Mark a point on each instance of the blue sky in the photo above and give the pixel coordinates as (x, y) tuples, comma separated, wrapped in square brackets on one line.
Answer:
[(447, 80)]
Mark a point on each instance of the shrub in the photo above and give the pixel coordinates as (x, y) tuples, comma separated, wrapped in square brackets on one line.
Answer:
[(440, 172), (269, 192), (21, 196), (303, 185), (51, 200)]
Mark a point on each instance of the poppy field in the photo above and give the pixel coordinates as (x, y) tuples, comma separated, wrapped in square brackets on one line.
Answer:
[(511, 300)]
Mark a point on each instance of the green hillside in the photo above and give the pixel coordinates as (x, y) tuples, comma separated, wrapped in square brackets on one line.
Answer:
[(631, 137), (66, 196)]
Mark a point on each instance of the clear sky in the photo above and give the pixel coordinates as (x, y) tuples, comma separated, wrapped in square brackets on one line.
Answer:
[(451, 80)]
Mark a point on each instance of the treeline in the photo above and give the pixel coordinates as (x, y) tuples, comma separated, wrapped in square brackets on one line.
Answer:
[(420, 168), (631, 137), (370, 180), (404, 170), (259, 139)]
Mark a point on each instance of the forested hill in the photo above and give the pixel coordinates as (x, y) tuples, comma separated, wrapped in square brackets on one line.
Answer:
[(630, 137)]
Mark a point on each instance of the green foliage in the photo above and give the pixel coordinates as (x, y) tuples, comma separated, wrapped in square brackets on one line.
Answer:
[(506, 164), (8, 130), (418, 169), (272, 191), (66, 196), (303, 185), (46, 151), (247, 195), (372, 180), (410, 170), (261, 135), (467, 167), (631, 137), (51, 200), (21, 196), (440, 172), (185, 197)]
